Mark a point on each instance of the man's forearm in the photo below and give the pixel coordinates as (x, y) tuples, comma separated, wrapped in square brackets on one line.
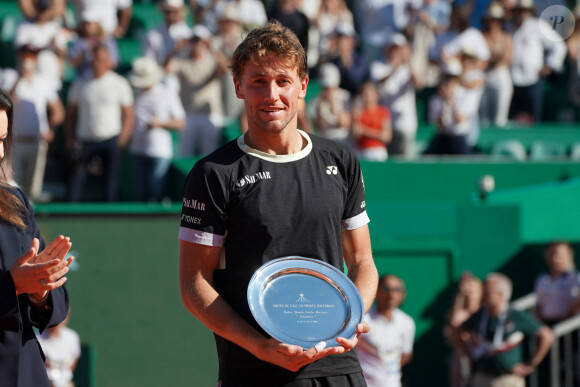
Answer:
[(128, 121), (545, 338), (203, 301), (358, 255), (365, 278)]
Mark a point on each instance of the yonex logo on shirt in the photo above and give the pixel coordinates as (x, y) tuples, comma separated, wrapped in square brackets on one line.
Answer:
[(251, 179), (332, 170)]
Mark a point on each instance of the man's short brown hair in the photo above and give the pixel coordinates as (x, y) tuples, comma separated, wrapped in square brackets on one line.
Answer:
[(272, 38)]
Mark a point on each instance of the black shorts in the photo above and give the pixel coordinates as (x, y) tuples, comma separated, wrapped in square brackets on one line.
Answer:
[(349, 380)]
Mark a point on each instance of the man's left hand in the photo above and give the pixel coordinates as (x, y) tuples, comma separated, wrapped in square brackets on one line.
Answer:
[(522, 369), (349, 344)]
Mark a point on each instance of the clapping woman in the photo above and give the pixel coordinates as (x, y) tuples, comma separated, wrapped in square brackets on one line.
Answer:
[(31, 276)]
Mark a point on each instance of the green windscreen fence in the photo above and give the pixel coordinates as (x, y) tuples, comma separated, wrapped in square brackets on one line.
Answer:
[(428, 224)]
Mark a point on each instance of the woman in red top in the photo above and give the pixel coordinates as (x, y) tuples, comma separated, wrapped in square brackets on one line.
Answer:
[(372, 125)]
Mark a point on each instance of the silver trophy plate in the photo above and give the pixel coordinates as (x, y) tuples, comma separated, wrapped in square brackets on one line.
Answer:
[(304, 301)]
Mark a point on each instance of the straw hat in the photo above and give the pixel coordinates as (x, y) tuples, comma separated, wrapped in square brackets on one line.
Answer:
[(229, 13), (145, 73), (452, 67)]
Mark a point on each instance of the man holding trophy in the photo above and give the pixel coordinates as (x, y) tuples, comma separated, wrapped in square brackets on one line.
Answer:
[(275, 192)]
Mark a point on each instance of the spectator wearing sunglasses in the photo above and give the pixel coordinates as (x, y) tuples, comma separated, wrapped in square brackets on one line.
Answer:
[(389, 344)]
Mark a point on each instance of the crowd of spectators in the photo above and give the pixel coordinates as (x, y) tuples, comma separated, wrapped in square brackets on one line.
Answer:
[(489, 336), (493, 341), (485, 63)]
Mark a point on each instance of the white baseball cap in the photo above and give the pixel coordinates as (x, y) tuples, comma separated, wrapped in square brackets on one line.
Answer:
[(329, 75)]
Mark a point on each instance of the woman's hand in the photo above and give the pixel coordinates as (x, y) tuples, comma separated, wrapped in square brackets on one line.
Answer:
[(38, 273)]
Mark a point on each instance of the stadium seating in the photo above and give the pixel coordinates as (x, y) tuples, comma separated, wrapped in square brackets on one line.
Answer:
[(509, 149)]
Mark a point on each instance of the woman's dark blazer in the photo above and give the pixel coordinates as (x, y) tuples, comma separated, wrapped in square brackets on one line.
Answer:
[(21, 358)]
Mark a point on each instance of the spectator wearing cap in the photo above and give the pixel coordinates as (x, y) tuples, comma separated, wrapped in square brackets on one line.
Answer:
[(38, 110), (371, 126), (90, 35), (388, 347), (332, 114), (113, 15), (397, 84), (99, 122), (172, 35), (494, 337), (450, 113), (158, 110), (332, 14), (498, 81), (353, 66), (42, 29), (536, 53), (200, 92)]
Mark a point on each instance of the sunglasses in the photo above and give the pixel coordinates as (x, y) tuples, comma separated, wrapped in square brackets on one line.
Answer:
[(387, 289)]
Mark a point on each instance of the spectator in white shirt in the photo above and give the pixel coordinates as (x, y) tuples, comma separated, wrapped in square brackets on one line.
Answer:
[(43, 29), (332, 108), (38, 110), (388, 346), (498, 83), (114, 15), (100, 120), (62, 347), (331, 14), (536, 53), (397, 83), (158, 110), (473, 82), (451, 113)]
